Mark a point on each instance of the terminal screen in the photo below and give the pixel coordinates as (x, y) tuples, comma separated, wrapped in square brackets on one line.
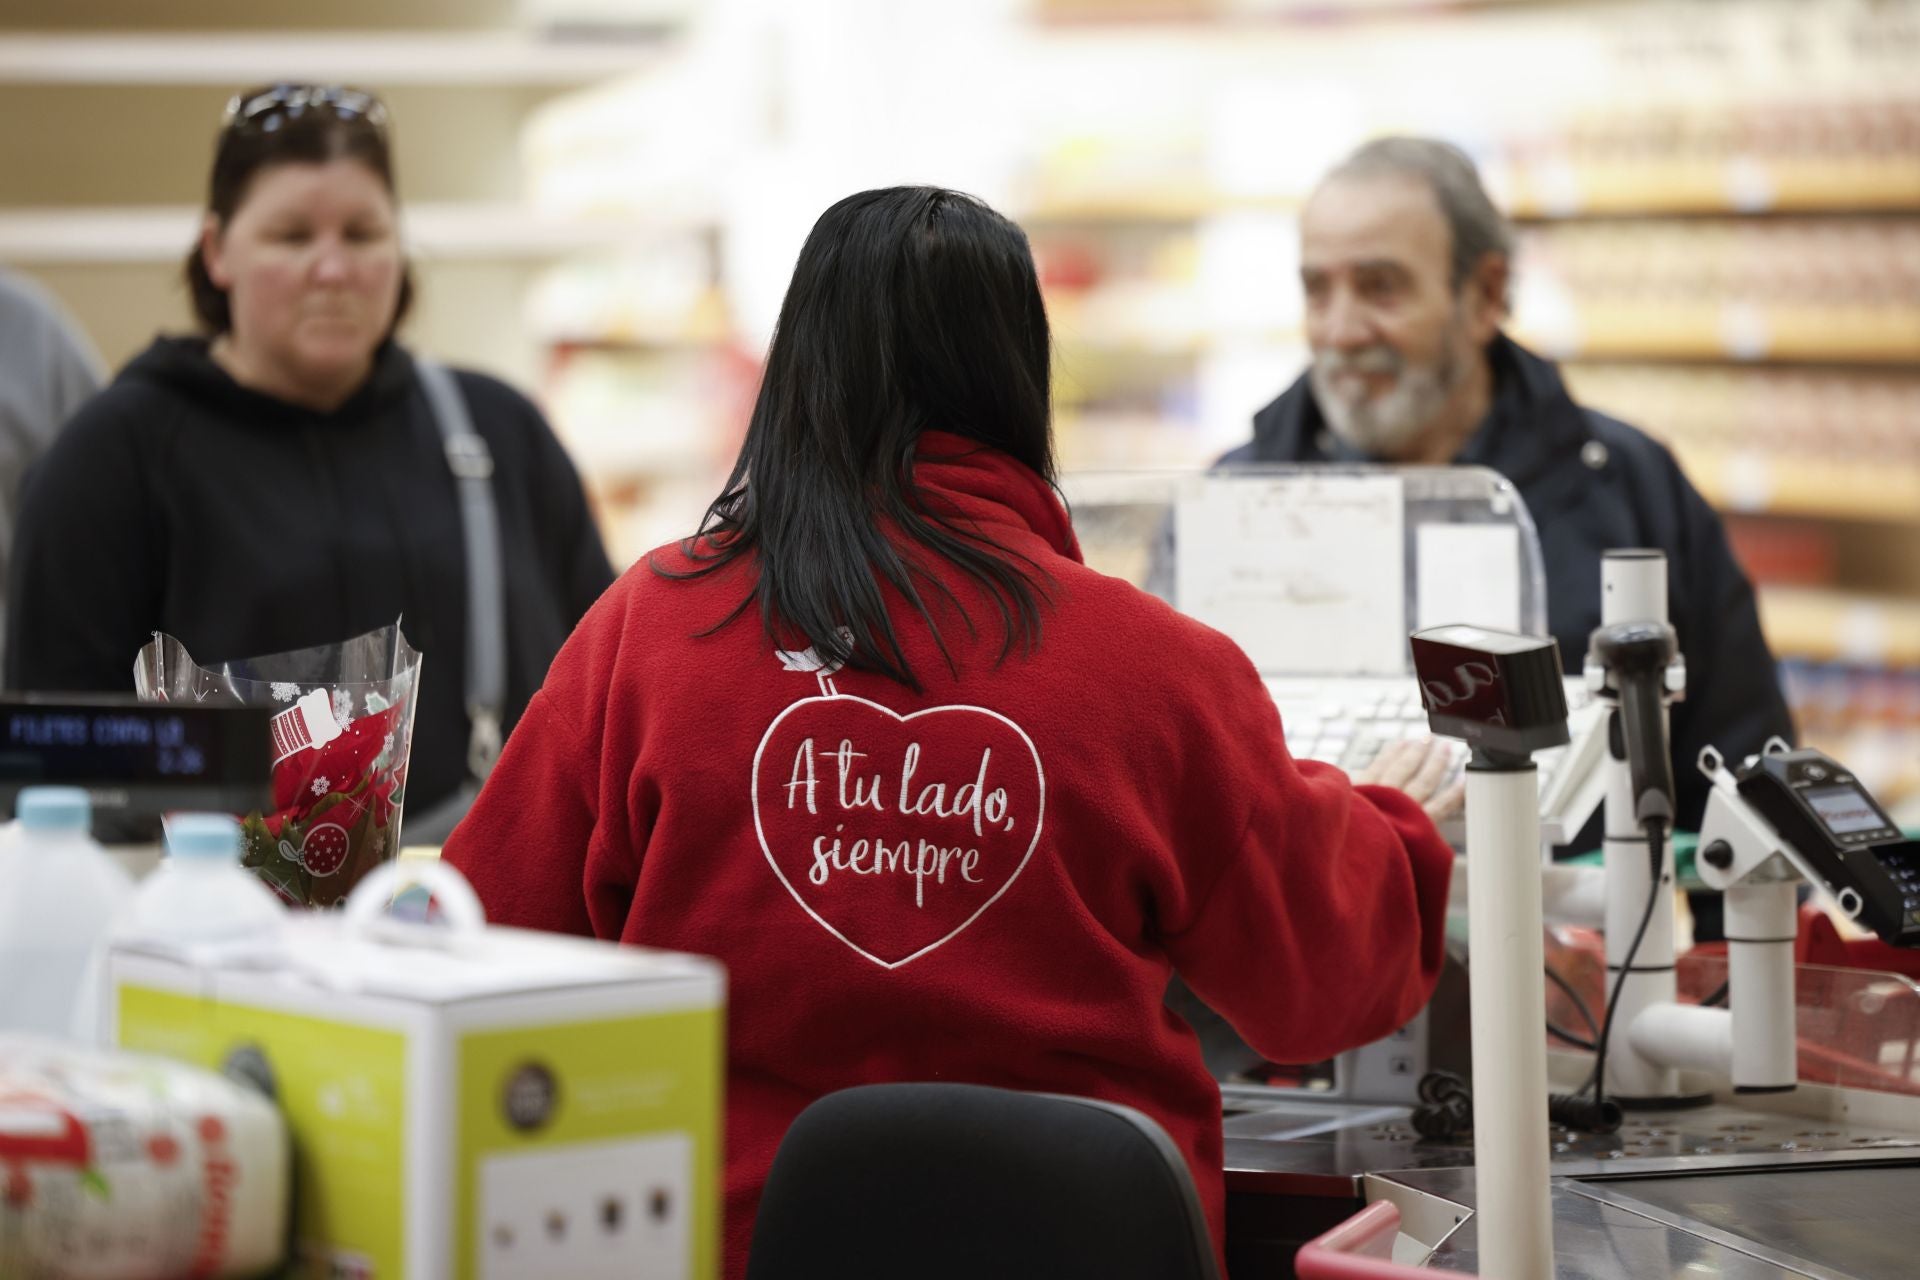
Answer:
[(1845, 810)]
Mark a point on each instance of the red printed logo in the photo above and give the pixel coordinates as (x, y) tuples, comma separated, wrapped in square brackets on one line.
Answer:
[(896, 832)]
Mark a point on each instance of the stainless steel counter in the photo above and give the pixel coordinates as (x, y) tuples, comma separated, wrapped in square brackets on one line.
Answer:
[(1825, 1185)]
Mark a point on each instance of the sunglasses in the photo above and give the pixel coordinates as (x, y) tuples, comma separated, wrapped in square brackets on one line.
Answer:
[(266, 110)]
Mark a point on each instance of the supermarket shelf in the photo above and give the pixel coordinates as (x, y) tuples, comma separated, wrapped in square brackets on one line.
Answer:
[(1552, 192), (1839, 626), (639, 341), (1170, 343), (1176, 201), (1157, 319), (1101, 440), (1234, 13), (1743, 185), (1708, 331), (161, 233), (1755, 483), (486, 58)]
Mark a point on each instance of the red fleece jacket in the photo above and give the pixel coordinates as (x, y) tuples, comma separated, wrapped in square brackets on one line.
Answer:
[(990, 881)]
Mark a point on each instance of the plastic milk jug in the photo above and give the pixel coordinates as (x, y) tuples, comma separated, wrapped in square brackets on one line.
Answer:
[(60, 893), (200, 897)]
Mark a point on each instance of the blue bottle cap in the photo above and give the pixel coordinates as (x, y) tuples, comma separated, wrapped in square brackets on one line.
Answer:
[(203, 835), (54, 809)]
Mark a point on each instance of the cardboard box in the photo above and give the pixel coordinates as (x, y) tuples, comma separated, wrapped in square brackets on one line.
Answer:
[(489, 1104)]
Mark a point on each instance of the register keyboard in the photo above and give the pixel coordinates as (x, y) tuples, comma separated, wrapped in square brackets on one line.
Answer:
[(1345, 720)]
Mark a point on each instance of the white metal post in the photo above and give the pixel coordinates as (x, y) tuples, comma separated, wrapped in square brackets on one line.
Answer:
[(1761, 923), (1510, 1148), (1633, 588)]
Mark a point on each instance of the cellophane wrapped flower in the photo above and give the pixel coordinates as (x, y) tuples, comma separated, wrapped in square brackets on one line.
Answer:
[(342, 735)]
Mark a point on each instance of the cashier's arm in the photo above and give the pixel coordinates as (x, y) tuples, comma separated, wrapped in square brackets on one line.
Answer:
[(1328, 930)]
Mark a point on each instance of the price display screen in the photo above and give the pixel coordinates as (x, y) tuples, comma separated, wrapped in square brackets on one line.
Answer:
[(86, 743)]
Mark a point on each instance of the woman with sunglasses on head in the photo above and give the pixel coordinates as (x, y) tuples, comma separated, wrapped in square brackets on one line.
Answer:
[(948, 804), (280, 481)]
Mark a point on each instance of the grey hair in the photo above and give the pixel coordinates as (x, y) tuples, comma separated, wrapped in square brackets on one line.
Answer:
[(1475, 227)]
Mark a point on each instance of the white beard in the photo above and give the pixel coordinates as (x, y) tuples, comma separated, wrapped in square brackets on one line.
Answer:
[(1384, 425)]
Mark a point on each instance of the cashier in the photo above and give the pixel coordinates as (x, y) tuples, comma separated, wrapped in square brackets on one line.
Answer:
[(1406, 265), (947, 803)]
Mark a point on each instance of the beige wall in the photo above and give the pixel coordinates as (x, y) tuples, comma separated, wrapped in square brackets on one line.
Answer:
[(466, 312), (94, 145), (259, 15), (152, 144)]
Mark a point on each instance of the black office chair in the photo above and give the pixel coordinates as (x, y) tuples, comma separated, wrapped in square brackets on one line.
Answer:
[(963, 1182)]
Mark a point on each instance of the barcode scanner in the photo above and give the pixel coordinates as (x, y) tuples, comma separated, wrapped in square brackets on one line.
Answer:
[(1636, 656)]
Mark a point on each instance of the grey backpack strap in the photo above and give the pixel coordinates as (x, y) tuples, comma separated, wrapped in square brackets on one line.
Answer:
[(472, 466)]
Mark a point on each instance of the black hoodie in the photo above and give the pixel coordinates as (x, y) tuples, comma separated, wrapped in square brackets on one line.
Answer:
[(178, 500), (1594, 484)]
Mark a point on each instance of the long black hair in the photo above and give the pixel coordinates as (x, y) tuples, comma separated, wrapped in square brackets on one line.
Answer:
[(911, 309)]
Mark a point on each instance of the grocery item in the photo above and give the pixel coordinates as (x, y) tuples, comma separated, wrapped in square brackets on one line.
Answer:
[(465, 1101), (59, 894), (121, 1166)]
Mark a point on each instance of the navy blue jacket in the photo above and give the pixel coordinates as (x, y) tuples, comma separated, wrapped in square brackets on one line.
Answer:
[(1594, 484)]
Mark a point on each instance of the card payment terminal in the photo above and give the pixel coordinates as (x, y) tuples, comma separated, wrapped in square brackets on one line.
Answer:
[(1840, 836)]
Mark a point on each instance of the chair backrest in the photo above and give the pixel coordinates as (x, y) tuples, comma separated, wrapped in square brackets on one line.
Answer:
[(945, 1181)]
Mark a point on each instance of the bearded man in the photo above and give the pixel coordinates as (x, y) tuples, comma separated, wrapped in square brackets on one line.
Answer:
[(1406, 266)]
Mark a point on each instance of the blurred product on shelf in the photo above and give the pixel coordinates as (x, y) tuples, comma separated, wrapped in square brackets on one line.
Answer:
[(1788, 289), (1740, 153), (652, 433), (1801, 553), (1788, 441), (662, 294), (1867, 715), (1852, 625), (643, 383)]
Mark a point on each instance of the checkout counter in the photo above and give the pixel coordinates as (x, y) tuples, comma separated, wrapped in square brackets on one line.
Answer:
[(1798, 1178), (1810, 1179), (1813, 1183)]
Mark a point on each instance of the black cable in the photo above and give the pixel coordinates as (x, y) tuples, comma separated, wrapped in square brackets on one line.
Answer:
[(1656, 837), (1579, 1006), (1561, 1033), (1719, 996), (1445, 1111), (1446, 1107), (1574, 1111)]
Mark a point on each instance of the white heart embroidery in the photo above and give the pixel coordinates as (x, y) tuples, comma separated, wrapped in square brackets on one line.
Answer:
[(863, 806)]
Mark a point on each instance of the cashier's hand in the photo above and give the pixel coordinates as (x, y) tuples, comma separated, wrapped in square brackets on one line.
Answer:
[(1419, 767)]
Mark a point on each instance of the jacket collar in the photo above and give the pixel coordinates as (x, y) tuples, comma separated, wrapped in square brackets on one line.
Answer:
[(967, 480), (1532, 425)]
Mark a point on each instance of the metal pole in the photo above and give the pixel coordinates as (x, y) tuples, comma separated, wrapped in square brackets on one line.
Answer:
[(1634, 589), (1513, 1216)]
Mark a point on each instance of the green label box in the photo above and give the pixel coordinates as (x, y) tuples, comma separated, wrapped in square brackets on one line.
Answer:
[(502, 1106)]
